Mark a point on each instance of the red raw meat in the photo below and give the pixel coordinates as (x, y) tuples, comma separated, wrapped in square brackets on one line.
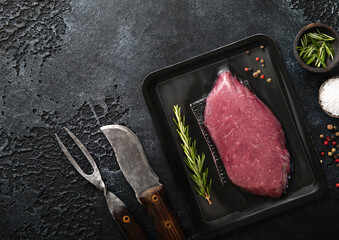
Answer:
[(248, 137)]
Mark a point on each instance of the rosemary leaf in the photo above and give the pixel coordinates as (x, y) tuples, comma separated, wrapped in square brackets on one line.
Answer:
[(315, 36), (306, 40), (302, 42), (311, 60), (328, 51), (325, 36)]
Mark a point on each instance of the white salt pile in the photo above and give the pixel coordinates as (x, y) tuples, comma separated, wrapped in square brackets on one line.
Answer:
[(329, 96)]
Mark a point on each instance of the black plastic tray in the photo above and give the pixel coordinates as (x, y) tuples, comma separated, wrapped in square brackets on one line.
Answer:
[(188, 81)]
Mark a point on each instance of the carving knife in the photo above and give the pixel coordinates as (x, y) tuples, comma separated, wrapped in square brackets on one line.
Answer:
[(145, 183)]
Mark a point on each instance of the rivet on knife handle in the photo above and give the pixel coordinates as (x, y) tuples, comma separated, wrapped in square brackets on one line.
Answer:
[(128, 225), (163, 219)]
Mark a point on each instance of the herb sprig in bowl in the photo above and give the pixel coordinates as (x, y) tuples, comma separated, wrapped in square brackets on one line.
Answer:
[(315, 48)]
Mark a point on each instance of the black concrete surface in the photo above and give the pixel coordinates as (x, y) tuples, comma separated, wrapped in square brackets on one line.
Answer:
[(81, 64)]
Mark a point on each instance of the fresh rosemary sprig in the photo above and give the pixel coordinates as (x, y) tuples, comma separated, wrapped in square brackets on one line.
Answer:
[(194, 161), (315, 48)]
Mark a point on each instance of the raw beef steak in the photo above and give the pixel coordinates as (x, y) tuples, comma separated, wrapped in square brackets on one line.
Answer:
[(248, 137)]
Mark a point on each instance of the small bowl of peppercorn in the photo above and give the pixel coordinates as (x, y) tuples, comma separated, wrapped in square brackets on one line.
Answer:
[(316, 48)]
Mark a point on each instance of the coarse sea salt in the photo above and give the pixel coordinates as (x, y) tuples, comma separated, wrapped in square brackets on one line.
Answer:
[(329, 96)]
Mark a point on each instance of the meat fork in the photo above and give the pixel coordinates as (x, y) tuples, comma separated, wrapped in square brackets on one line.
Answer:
[(128, 225)]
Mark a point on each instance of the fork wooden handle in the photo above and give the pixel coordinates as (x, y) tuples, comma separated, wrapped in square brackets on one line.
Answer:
[(128, 225), (166, 224)]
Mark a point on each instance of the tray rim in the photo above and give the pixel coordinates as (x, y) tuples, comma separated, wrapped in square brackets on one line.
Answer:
[(320, 184)]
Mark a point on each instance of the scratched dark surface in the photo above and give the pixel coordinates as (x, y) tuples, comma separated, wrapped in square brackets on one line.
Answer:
[(81, 64)]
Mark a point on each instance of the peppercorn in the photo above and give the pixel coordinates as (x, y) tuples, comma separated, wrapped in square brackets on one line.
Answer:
[(262, 76), (262, 47), (326, 143), (333, 150), (329, 154), (259, 71), (263, 65), (255, 74), (338, 165), (337, 134), (337, 184), (247, 52), (321, 136), (322, 153), (328, 138), (330, 127), (335, 127), (332, 137), (337, 146), (334, 143), (246, 69), (262, 61), (321, 161), (257, 59), (337, 160), (269, 80)]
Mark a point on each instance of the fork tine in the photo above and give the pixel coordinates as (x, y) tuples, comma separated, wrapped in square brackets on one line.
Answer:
[(70, 158), (83, 149)]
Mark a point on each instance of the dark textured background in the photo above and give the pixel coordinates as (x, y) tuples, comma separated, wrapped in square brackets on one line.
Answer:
[(81, 64)]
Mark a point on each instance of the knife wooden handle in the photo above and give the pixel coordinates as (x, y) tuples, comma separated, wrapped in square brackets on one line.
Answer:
[(128, 225), (166, 224)]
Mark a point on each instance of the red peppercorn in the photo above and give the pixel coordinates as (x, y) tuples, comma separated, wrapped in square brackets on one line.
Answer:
[(337, 160), (328, 138), (337, 184), (257, 59), (246, 69), (262, 76), (322, 153), (334, 143), (325, 143)]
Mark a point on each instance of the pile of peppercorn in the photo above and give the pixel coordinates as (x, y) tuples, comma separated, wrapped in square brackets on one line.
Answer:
[(331, 143), (258, 73)]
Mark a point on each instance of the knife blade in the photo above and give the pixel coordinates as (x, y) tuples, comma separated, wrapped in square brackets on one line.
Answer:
[(145, 183)]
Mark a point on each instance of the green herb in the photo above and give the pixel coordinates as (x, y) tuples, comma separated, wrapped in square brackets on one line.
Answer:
[(194, 161), (315, 48)]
